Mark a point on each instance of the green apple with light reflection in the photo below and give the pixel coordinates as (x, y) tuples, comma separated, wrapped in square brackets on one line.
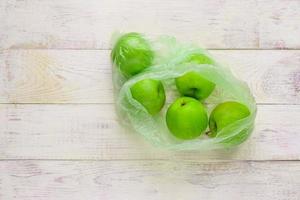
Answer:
[(132, 54), (226, 114), (186, 118), (193, 84), (150, 93), (198, 58)]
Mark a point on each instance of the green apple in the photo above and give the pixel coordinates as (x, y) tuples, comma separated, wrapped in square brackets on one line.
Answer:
[(225, 114), (186, 118), (193, 84), (150, 93), (132, 54), (198, 58)]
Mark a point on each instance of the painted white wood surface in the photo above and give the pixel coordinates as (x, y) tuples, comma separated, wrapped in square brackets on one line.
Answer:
[(135, 180), (92, 132), (64, 101), (84, 76), (78, 24)]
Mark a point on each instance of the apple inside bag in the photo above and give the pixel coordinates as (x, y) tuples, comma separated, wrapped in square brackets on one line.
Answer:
[(178, 96)]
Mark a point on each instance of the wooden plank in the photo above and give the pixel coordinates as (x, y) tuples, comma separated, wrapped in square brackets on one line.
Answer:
[(279, 25), (55, 77), (215, 24), (66, 131), (114, 180), (68, 76)]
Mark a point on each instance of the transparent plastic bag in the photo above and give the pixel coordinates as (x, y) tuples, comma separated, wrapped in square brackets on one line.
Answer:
[(169, 63)]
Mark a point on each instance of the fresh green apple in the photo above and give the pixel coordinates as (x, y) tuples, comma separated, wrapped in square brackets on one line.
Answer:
[(192, 84), (150, 93), (132, 54), (186, 118), (225, 114), (198, 58)]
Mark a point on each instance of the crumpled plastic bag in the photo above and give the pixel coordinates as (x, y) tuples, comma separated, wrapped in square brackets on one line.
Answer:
[(169, 57)]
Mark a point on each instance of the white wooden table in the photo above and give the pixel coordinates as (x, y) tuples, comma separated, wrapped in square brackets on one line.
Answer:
[(59, 136)]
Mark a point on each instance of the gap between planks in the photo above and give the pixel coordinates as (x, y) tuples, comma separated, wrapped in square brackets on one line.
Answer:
[(149, 159), (109, 49)]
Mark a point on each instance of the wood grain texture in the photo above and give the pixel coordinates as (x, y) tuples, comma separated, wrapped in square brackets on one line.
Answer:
[(93, 132), (136, 180), (69, 76), (70, 112), (279, 24), (88, 25)]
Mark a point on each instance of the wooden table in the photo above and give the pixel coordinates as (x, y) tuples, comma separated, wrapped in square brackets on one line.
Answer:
[(59, 135)]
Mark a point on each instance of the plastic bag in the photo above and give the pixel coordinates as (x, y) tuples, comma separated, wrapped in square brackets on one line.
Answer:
[(169, 56)]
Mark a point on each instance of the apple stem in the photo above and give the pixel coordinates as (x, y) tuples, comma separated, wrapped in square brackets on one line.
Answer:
[(207, 132)]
